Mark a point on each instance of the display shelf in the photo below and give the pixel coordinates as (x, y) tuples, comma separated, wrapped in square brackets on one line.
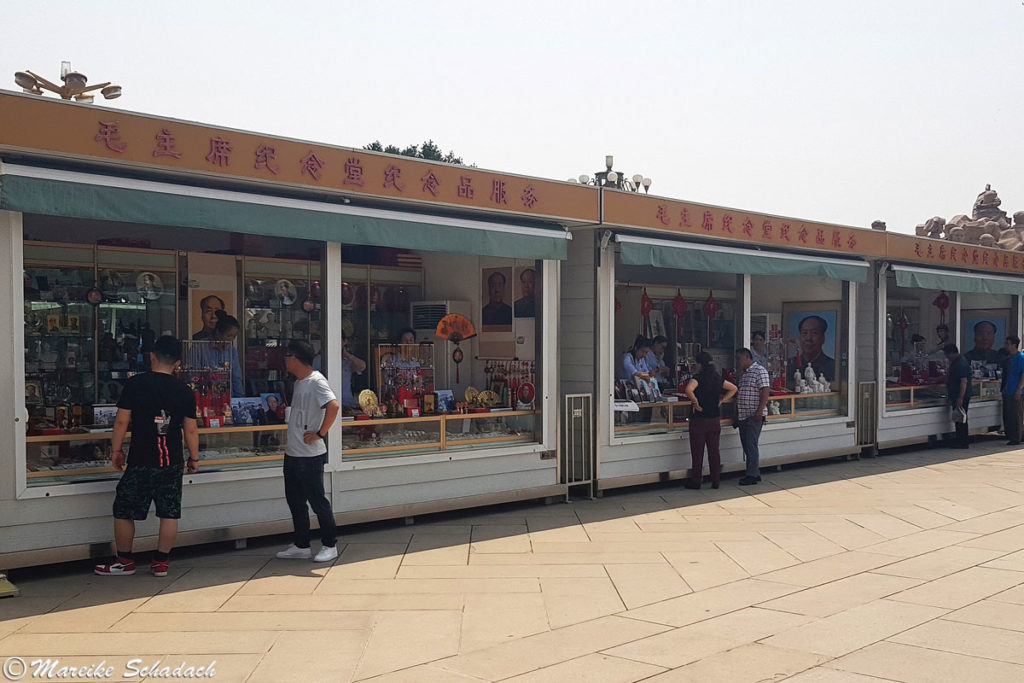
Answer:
[(436, 433), (898, 397)]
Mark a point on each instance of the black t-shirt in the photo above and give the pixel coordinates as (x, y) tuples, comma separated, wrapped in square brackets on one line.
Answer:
[(959, 370), (159, 405), (708, 393)]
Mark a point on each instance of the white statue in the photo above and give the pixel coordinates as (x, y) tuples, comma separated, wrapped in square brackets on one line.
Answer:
[(797, 378), (773, 408), (823, 382), (809, 374)]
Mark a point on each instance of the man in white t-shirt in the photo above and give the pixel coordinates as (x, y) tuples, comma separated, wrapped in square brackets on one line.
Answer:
[(313, 410)]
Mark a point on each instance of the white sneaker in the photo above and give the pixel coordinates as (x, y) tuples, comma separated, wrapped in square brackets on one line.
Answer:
[(294, 552), (327, 554)]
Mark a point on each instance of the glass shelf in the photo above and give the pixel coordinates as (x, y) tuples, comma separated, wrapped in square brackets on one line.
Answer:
[(432, 433)]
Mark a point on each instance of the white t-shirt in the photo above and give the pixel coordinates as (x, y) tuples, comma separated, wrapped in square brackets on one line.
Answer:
[(307, 415)]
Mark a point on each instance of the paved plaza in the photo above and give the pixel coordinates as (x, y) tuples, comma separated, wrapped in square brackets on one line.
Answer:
[(906, 567)]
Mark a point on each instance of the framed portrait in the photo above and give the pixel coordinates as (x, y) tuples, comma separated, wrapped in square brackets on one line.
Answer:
[(982, 333), (273, 408), (525, 305), (33, 393), (496, 292), (245, 411), (53, 323), (812, 331)]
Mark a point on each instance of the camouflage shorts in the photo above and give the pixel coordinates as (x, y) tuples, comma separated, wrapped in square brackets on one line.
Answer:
[(141, 485)]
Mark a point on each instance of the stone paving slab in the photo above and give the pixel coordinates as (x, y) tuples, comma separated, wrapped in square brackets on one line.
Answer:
[(907, 567)]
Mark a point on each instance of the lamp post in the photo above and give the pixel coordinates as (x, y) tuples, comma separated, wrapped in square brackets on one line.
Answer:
[(614, 179), (75, 85)]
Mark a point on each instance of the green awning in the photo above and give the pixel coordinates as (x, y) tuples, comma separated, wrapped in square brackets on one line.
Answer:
[(924, 278), (641, 251), (115, 199)]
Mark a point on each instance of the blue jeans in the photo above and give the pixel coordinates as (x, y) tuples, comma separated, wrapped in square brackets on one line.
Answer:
[(750, 432)]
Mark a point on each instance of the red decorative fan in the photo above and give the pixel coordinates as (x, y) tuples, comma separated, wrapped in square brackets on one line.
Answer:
[(456, 328)]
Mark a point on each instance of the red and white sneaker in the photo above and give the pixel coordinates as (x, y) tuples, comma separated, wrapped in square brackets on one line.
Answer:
[(119, 567), (159, 568)]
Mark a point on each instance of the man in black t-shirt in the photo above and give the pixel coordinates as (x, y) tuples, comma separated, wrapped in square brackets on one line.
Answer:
[(159, 409)]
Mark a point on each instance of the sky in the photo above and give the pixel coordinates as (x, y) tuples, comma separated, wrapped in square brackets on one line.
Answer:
[(842, 112)]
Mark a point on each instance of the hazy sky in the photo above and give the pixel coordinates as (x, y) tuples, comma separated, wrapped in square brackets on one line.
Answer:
[(818, 109)]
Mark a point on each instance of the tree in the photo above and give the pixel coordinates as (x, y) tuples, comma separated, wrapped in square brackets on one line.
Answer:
[(428, 150)]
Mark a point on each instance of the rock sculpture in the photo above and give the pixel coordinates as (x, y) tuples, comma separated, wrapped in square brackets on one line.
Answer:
[(987, 226)]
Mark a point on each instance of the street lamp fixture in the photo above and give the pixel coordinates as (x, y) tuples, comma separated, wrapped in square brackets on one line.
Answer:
[(75, 85), (614, 179)]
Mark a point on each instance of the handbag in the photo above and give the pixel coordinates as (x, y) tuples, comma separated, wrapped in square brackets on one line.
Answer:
[(959, 415)]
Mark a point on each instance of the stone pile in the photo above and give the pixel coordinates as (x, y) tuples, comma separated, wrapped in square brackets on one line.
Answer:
[(988, 225)]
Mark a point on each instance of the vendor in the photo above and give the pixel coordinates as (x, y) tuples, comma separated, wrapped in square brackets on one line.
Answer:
[(656, 360), (757, 349), (220, 349), (349, 364), (634, 361), (406, 356)]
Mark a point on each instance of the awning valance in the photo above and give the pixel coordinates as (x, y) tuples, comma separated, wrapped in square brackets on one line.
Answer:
[(983, 283), (644, 251), (83, 195)]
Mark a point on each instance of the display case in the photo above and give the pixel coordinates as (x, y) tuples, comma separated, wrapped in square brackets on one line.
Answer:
[(375, 306), (660, 417), (282, 303), (383, 437), (405, 373), (898, 397), (79, 457)]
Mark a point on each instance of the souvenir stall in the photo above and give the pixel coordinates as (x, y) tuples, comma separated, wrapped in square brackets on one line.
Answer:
[(921, 307), (122, 244), (659, 274)]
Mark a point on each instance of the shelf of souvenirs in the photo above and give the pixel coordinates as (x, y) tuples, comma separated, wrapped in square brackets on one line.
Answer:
[(783, 407), (431, 433), (930, 394), (59, 466)]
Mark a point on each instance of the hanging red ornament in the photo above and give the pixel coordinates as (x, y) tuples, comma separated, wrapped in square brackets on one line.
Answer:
[(618, 305), (710, 309), (903, 324), (679, 308), (942, 303), (646, 306)]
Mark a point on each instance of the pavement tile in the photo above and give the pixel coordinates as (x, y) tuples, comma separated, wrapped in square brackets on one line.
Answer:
[(712, 602), (692, 643), (912, 664), (852, 629), (939, 563), (401, 640), (993, 613), (153, 643), (502, 571), (546, 649), (596, 668), (572, 601), (367, 561), (1008, 540), (385, 586), (745, 664), (342, 603), (920, 543), (966, 639), (826, 569), (490, 619), (703, 570), (141, 622), (1014, 595), (757, 556), (569, 558), (803, 544), (498, 538), (295, 653), (86, 619), (822, 674), (1012, 561), (961, 589), (437, 549), (845, 533), (421, 673), (918, 516), (644, 584), (844, 594)]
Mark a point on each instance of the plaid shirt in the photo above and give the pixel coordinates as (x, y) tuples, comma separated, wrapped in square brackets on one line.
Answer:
[(748, 398)]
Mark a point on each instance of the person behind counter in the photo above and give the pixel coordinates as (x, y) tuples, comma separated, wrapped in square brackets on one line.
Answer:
[(705, 392), (349, 364), (757, 349), (634, 361), (984, 343), (812, 338), (958, 392), (656, 359), (220, 349), (208, 307), (405, 358)]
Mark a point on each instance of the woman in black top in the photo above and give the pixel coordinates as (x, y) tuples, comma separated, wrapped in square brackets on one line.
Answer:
[(705, 392)]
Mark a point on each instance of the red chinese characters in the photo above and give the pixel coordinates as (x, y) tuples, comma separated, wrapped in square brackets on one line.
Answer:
[(784, 231), (942, 252), (748, 227), (165, 145), (353, 172), (265, 155), (392, 178), (984, 258), (852, 241), (975, 257), (931, 251), (767, 230), (466, 187), (708, 223), (726, 223), (499, 194), (917, 249), (837, 239), (819, 237), (311, 164), (220, 151), (684, 218), (529, 197), (662, 215), (802, 235), (110, 136), (431, 183)]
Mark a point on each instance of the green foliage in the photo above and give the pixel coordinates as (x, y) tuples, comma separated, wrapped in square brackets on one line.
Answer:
[(428, 150)]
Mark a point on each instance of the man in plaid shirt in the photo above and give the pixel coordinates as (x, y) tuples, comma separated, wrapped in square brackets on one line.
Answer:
[(751, 409)]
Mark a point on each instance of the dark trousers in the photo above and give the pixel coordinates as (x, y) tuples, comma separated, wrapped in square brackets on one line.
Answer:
[(963, 436), (705, 431), (1012, 417), (750, 432), (304, 483)]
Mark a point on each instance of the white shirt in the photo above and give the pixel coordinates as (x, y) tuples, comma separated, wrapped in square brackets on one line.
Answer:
[(307, 415)]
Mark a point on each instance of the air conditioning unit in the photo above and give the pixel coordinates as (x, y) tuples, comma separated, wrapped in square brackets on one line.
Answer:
[(425, 316)]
